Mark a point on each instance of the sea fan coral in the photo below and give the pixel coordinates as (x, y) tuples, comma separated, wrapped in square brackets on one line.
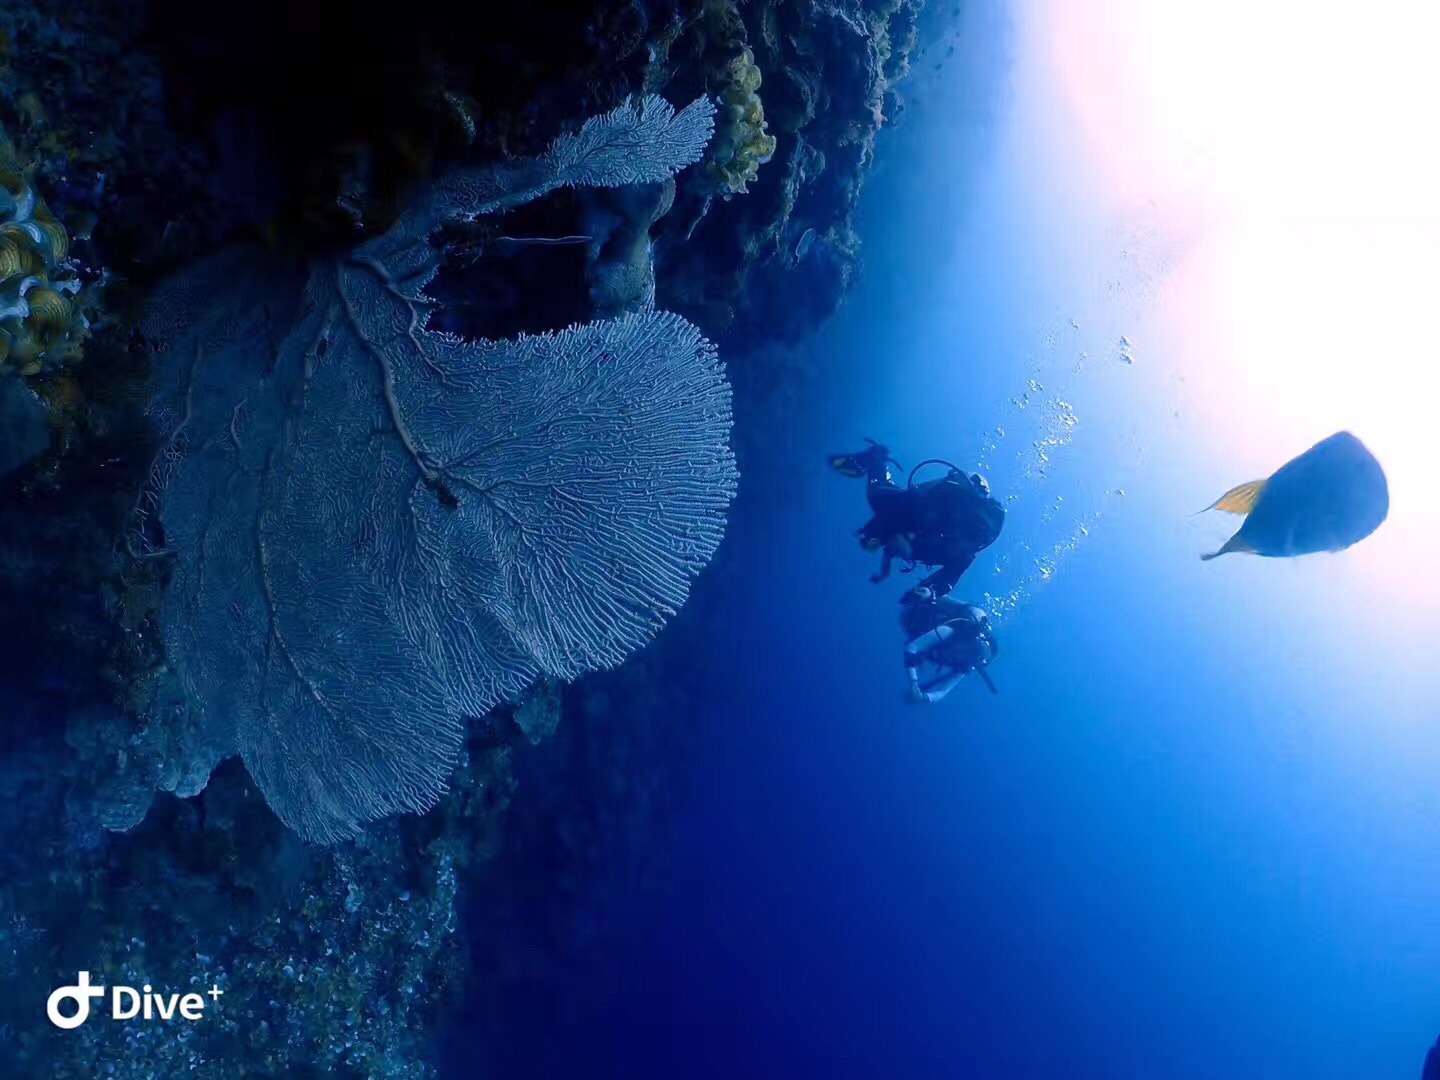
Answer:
[(381, 530)]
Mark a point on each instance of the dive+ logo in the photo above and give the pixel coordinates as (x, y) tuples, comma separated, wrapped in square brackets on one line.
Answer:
[(126, 1003)]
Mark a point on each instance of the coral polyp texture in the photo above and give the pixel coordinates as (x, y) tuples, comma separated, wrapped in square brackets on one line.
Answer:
[(41, 322), (380, 530), (743, 143)]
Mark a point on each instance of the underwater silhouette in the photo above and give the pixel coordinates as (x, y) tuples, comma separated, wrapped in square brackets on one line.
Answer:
[(943, 523), (1330, 497), (945, 640)]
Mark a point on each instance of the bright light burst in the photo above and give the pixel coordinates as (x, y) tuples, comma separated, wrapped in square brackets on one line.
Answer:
[(1301, 137)]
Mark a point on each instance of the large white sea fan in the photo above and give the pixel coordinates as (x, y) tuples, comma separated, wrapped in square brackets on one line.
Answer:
[(380, 530)]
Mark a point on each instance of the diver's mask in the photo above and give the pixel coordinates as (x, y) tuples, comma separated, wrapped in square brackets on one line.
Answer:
[(981, 484)]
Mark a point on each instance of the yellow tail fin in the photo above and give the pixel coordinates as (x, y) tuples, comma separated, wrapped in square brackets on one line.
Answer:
[(1239, 500)]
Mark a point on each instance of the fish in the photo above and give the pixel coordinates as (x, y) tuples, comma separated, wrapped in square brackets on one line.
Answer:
[(1329, 498)]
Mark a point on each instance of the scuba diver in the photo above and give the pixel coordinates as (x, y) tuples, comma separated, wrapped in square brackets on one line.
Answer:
[(943, 523), (945, 640)]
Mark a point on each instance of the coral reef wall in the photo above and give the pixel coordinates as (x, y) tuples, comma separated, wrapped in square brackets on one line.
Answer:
[(330, 961), (772, 264), (154, 133)]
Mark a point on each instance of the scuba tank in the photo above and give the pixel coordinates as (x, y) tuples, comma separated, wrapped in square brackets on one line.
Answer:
[(976, 491)]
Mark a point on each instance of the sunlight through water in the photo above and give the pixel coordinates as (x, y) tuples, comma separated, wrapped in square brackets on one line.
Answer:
[(1296, 157)]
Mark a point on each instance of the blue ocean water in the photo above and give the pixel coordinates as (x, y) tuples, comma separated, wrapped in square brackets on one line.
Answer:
[(1193, 836)]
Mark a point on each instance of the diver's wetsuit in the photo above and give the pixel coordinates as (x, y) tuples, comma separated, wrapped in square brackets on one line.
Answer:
[(943, 523), (892, 511), (950, 635)]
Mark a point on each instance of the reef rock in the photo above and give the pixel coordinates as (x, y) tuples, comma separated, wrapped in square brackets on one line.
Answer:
[(771, 264)]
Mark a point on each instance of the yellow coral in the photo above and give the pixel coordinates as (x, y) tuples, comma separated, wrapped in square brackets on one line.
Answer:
[(18, 259), (49, 311), (742, 144), (40, 323)]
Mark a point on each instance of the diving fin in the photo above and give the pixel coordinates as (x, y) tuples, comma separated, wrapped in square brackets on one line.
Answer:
[(1240, 499), (859, 465)]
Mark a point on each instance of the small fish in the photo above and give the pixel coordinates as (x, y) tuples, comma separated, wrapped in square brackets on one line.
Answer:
[(1330, 497)]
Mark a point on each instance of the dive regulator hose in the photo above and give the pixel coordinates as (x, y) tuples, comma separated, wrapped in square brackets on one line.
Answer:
[(930, 461)]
